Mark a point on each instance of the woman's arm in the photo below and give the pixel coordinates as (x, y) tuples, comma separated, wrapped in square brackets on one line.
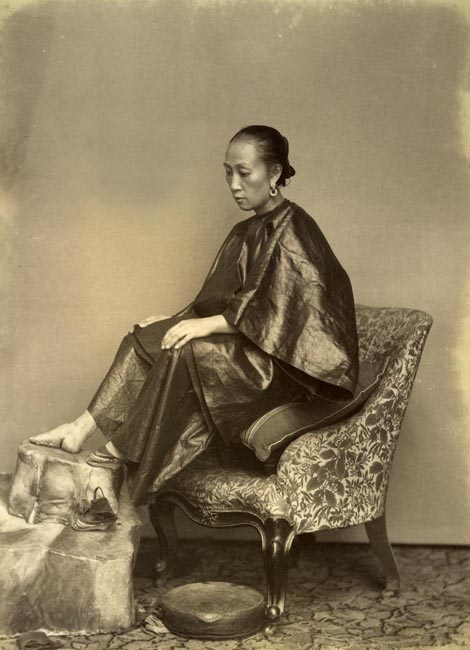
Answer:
[(195, 328)]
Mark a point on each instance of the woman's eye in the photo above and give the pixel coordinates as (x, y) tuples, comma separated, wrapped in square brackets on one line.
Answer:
[(244, 173)]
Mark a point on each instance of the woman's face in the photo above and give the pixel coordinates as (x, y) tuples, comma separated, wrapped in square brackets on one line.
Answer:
[(249, 178)]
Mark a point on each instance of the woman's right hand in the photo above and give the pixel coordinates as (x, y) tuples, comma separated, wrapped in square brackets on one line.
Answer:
[(148, 321)]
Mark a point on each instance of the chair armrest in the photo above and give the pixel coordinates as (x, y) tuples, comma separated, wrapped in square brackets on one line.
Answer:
[(337, 476), (323, 448)]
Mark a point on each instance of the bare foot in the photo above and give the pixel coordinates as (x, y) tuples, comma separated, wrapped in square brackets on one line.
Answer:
[(69, 437)]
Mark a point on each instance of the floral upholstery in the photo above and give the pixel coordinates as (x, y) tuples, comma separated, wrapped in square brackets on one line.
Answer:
[(336, 476)]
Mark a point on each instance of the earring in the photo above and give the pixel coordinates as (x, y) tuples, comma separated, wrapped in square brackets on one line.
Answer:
[(273, 191)]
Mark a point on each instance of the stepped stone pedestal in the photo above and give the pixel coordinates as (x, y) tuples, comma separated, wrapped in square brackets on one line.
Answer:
[(53, 577)]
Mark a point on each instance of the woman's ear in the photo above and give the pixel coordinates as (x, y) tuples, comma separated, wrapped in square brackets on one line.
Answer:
[(276, 171)]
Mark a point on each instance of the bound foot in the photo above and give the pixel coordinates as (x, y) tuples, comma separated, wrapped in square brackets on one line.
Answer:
[(69, 437)]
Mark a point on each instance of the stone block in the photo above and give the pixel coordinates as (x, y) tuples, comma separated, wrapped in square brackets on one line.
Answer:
[(53, 577), (48, 483)]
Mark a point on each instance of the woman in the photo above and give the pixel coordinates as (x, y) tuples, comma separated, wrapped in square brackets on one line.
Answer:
[(273, 322)]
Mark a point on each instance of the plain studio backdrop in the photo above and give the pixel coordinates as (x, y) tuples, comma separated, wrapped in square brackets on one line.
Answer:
[(115, 117)]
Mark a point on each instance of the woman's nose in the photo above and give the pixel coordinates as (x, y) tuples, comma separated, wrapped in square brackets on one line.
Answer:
[(234, 183)]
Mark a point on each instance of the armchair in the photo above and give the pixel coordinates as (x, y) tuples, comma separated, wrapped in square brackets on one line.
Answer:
[(334, 477)]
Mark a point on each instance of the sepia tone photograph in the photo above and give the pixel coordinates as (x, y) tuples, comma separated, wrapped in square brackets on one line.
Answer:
[(235, 288)]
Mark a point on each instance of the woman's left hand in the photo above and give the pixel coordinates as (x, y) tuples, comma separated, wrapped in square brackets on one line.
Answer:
[(186, 330)]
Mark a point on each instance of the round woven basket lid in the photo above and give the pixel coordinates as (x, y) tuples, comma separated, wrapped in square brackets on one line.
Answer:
[(213, 610)]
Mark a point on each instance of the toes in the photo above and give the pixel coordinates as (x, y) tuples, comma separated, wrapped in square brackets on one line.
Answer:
[(44, 443)]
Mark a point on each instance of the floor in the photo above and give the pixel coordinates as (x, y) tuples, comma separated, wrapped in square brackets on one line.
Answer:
[(334, 599)]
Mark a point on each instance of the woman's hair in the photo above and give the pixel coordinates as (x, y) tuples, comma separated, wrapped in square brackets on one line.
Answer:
[(272, 146)]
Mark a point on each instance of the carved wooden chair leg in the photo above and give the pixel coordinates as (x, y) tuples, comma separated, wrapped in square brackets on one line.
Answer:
[(162, 517), (277, 538), (378, 538)]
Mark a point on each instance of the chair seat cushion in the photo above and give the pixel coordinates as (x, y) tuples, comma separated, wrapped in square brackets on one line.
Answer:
[(240, 483), (272, 432)]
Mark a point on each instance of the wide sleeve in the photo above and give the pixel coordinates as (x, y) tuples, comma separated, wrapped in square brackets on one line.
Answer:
[(296, 304), (223, 279)]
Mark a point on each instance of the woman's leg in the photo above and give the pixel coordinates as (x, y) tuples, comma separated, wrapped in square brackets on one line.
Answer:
[(110, 406)]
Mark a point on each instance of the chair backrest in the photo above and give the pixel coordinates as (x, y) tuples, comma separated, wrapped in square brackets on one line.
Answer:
[(394, 337), (387, 331), (354, 457)]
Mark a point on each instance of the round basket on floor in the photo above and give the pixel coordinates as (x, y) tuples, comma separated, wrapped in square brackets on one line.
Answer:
[(213, 610)]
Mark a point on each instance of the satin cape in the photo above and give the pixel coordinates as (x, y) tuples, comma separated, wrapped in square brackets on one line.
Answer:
[(275, 279)]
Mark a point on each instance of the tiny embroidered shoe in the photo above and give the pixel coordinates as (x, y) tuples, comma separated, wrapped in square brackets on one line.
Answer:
[(103, 458)]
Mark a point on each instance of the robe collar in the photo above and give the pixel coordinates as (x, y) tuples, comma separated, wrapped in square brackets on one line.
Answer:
[(275, 215)]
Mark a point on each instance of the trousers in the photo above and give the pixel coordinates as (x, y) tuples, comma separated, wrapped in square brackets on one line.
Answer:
[(148, 408)]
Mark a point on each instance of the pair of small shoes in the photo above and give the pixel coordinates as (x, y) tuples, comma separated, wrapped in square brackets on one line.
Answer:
[(96, 514), (103, 458)]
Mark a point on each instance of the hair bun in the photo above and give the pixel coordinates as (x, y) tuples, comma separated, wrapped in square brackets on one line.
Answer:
[(290, 171)]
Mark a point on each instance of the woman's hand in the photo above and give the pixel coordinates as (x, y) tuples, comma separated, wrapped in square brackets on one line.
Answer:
[(195, 328), (186, 330)]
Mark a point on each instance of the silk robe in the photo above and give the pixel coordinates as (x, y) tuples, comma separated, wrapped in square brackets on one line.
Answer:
[(278, 282)]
